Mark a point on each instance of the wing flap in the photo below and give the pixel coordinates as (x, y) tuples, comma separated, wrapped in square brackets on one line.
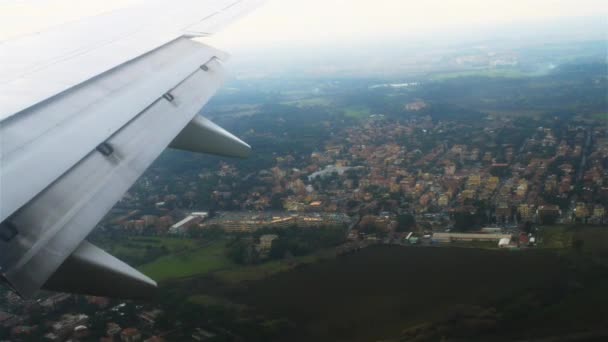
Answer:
[(203, 136), (92, 271)]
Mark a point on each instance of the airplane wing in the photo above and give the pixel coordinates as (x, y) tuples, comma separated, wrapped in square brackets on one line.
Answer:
[(85, 107)]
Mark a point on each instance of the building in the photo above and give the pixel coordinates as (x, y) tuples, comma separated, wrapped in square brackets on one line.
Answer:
[(130, 335), (80, 332), (491, 230), (504, 243), (581, 210), (526, 212), (282, 222), (64, 327), (155, 339), (443, 200), (548, 213), (598, 213), (492, 183), (202, 335), (467, 194), (522, 188), (51, 337), (190, 220), (315, 204), (55, 301), (8, 320), (150, 317), (449, 237), (113, 330), (503, 211), (474, 181)]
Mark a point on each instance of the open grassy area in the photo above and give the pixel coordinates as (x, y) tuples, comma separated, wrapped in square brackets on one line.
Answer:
[(556, 237), (383, 290), (197, 261), (503, 72), (590, 240), (600, 116), (212, 301), (310, 102), (528, 114), (357, 112), (167, 258), (241, 273), (137, 250)]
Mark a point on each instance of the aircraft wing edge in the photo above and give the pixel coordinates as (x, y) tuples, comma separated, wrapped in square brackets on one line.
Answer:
[(203, 136), (69, 209), (70, 125), (90, 270)]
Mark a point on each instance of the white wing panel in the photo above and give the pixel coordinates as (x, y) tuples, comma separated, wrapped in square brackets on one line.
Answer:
[(52, 225), (38, 66), (225, 16), (40, 144)]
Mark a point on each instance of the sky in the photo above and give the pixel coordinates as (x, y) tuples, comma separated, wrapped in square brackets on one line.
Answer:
[(323, 21)]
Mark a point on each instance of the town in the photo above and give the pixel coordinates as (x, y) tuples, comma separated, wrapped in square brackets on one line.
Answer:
[(535, 175), (328, 180)]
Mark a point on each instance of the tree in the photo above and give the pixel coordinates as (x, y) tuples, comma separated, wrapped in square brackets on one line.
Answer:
[(463, 221), (405, 222), (242, 251), (548, 218), (368, 225), (527, 228), (276, 202), (279, 248)]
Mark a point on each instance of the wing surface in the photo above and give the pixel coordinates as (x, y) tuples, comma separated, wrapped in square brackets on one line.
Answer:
[(76, 134)]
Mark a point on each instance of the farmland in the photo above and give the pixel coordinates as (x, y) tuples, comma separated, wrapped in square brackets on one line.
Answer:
[(403, 292), (391, 288)]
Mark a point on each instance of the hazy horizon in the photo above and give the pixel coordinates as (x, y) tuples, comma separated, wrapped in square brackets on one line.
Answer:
[(387, 56), (320, 22)]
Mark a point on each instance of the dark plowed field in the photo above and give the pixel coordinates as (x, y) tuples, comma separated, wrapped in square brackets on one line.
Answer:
[(385, 289)]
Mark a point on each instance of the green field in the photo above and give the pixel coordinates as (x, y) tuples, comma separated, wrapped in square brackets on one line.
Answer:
[(556, 237), (238, 274), (386, 291), (191, 262), (600, 116), (530, 114), (165, 259), (173, 258), (357, 112), (211, 301), (505, 73), (310, 102), (137, 250), (134, 244), (577, 241)]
